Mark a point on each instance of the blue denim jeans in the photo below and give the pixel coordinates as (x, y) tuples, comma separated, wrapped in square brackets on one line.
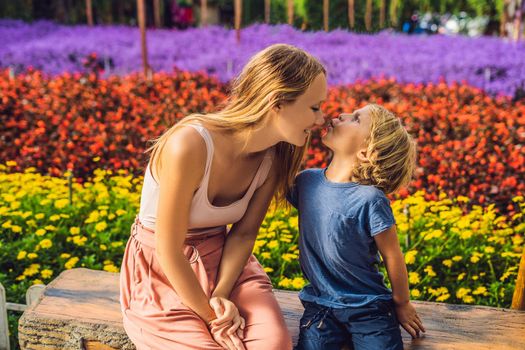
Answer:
[(372, 327)]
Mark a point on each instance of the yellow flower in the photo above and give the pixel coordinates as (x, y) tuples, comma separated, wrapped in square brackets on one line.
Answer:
[(40, 232), (447, 262), (32, 270), (457, 258), (438, 292), (433, 234), (415, 293), (268, 269), (489, 249), (50, 228), (46, 243), (16, 228), (101, 226), (39, 216), (93, 217), (298, 282), (61, 203), (461, 292), (430, 272), (273, 244), (37, 281), (480, 290), (21, 255), (443, 297), (103, 247), (71, 263), (410, 257), (403, 227), (10, 163), (65, 255), (32, 256), (7, 224), (46, 273), (266, 255), (461, 276), (79, 240), (466, 234), (111, 268), (285, 283), (462, 199), (120, 212), (468, 299), (289, 257), (74, 230), (413, 277), (517, 199), (54, 217)]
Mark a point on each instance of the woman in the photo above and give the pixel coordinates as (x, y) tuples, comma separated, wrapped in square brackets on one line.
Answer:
[(187, 282)]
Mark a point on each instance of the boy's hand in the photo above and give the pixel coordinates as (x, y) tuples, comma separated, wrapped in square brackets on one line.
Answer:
[(409, 320)]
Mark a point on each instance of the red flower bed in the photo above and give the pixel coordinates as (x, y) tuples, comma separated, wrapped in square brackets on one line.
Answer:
[(82, 122), (469, 143)]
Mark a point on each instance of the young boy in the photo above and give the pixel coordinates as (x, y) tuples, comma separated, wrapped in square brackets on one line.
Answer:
[(344, 219)]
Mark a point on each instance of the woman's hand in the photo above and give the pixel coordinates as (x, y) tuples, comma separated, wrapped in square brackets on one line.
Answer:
[(409, 320), (228, 328)]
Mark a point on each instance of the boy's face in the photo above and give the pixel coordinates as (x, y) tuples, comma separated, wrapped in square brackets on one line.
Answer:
[(347, 134)]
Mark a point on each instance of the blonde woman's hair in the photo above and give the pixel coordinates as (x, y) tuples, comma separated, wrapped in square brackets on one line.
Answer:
[(391, 153), (276, 75)]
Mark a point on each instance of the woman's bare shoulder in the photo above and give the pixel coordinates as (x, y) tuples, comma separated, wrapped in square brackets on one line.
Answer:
[(184, 152)]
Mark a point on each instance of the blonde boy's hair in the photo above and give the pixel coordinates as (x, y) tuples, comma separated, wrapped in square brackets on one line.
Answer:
[(276, 75), (391, 153)]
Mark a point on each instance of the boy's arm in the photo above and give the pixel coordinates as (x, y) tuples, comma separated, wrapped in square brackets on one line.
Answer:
[(388, 246)]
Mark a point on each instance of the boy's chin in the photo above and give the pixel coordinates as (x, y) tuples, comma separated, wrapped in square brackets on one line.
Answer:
[(325, 140)]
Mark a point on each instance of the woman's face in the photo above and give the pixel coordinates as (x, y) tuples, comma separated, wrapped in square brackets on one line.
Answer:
[(297, 119)]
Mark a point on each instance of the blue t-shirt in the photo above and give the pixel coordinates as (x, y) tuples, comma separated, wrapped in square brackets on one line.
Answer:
[(337, 251)]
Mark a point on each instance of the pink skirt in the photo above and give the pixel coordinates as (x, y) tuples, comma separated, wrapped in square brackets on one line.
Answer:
[(154, 316)]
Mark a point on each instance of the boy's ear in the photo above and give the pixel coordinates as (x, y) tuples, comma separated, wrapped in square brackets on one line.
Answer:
[(361, 155)]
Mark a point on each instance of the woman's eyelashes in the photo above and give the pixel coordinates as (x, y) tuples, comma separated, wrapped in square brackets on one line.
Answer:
[(316, 109)]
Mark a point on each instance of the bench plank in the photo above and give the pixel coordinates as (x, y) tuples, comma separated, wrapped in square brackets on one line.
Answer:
[(80, 310)]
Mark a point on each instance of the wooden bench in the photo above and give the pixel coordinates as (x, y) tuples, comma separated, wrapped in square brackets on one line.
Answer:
[(80, 310)]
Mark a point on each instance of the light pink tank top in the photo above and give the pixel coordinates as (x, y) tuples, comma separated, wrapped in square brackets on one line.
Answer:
[(202, 213)]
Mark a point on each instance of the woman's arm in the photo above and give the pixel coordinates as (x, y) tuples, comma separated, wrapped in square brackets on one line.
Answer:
[(183, 160), (241, 238)]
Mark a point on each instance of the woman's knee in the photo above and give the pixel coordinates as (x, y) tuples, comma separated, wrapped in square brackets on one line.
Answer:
[(277, 339)]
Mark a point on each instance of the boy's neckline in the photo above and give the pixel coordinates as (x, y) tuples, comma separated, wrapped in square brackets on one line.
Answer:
[(336, 184)]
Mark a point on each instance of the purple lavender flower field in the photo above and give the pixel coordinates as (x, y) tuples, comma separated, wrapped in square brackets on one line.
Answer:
[(488, 63)]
